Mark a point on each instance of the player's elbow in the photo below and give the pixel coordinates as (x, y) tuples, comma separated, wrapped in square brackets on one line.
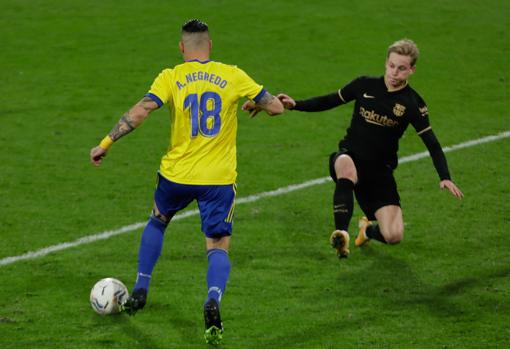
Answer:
[(138, 115)]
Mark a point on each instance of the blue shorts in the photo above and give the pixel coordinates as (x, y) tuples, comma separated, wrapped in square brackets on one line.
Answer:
[(215, 202)]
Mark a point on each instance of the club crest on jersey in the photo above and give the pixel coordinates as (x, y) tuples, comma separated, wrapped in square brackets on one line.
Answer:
[(399, 109)]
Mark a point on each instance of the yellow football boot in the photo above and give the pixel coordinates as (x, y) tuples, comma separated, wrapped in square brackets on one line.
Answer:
[(362, 239)]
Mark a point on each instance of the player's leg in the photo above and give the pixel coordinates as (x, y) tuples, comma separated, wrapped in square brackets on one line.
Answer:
[(218, 268), (218, 271), (343, 200), (169, 198), (216, 205), (344, 173), (151, 245), (390, 224), (148, 254), (380, 201)]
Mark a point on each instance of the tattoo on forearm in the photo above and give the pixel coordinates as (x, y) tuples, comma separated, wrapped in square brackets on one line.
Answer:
[(133, 118), (123, 127), (266, 99)]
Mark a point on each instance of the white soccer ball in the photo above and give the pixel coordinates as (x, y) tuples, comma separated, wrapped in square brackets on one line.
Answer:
[(107, 295)]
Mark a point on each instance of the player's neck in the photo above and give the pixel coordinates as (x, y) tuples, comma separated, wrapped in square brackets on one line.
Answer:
[(196, 56)]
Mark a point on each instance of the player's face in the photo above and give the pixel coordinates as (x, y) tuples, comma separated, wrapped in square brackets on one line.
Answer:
[(398, 69)]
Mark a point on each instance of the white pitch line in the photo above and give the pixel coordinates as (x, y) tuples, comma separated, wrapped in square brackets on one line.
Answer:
[(252, 198)]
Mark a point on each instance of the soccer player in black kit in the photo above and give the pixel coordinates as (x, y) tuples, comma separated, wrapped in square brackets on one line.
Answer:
[(367, 155)]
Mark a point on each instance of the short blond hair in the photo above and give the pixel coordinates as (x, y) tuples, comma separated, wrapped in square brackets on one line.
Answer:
[(405, 47)]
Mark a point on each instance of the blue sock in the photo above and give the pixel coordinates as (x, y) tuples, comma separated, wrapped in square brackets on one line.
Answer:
[(149, 252), (217, 273)]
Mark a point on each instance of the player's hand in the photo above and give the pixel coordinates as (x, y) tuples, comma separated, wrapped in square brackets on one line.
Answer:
[(251, 108), (287, 101), (96, 155), (448, 184)]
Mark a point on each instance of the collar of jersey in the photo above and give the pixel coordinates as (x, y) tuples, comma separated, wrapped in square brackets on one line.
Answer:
[(196, 60)]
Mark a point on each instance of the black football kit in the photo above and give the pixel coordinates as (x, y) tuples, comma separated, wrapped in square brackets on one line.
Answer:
[(379, 119)]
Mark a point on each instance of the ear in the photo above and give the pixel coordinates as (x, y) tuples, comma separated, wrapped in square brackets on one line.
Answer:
[(181, 46), (413, 69), (210, 45)]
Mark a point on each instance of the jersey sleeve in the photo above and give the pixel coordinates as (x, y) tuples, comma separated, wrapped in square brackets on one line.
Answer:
[(160, 91), (420, 116), (350, 91), (247, 87)]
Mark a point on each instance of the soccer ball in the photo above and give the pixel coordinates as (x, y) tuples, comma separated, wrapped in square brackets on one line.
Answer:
[(107, 295)]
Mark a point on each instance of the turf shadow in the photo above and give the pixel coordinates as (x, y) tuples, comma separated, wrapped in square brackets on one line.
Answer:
[(394, 281)]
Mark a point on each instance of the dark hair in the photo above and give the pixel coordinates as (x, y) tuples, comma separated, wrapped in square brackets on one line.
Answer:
[(195, 26)]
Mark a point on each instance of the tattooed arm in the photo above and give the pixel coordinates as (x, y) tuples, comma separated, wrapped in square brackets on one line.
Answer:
[(129, 121), (133, 118), (268, 102), (271, 104)]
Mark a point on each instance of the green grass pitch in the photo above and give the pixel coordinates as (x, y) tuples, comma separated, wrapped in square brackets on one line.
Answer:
[(70, 69)]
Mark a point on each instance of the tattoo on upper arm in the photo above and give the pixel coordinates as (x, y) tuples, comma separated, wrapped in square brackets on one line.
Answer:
[(148, 104), (123, 127), (266, 99)]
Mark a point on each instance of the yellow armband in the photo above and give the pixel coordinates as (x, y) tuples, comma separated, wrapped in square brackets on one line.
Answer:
[(106, 143)]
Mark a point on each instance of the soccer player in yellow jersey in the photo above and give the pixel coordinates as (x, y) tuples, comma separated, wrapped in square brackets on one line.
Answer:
[(200, 164)]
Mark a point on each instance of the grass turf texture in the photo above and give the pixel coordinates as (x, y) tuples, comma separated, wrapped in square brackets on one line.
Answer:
[(70, 70)]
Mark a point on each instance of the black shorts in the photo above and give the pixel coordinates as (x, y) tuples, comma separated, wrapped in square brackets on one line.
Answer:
[(376, 185)]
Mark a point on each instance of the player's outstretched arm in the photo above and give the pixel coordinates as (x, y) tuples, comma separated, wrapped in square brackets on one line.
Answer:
[(269, 103), (313, 104), (129, 121)]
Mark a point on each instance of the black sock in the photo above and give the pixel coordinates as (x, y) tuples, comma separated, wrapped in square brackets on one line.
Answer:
[(373, 232), (343, 203)]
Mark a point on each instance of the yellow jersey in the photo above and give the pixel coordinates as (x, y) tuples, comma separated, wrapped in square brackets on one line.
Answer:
[(202, 98)]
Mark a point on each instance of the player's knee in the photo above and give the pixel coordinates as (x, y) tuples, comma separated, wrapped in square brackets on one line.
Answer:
[(221, 242), (159, 216), (396, 235), (394, 239), (393, 235), (345, 168)]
